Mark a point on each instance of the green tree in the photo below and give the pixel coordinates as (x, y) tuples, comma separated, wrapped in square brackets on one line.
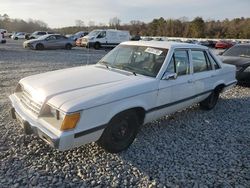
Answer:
[(197, 27)]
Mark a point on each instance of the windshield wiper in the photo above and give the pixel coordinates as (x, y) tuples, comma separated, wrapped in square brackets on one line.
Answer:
[(126, 67), (106, 64)]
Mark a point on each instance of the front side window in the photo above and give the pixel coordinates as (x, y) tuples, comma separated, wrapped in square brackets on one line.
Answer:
[(143, 60), (102, 34), (179, 63), (200, 61)]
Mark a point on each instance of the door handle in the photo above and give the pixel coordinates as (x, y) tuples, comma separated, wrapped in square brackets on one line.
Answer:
[(190, 81)]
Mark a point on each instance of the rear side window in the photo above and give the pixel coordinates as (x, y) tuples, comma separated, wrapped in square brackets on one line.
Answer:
[(200, 61), (179, 63), (58, 37)]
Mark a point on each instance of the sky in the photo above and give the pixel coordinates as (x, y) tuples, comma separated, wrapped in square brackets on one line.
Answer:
[(61, 13)]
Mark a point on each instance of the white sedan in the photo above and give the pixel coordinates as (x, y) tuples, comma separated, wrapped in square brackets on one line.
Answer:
[(135, 83), (19, 35)]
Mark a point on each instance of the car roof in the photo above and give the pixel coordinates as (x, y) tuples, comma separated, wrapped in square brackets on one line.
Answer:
[(53, 35), (244, 44), (164, 44)]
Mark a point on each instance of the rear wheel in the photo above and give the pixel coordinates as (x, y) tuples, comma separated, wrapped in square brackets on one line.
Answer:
[(39, 47), (120, 132), (68, 46), (16, 38), (210, 102)]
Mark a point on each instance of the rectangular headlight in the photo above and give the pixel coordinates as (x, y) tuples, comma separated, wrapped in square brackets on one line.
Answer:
[(59, 119)]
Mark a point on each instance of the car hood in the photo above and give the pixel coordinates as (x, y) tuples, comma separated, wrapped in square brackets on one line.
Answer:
[(33, 40), (84, 87), (237, 61)]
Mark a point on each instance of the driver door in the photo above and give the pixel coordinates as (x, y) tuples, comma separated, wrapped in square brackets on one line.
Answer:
[(102, 37), (50, 42)]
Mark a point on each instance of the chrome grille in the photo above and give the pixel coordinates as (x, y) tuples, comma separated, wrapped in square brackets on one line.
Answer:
[(29, 103)]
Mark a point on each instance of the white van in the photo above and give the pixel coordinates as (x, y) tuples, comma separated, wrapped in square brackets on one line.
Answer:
[(105, 38)]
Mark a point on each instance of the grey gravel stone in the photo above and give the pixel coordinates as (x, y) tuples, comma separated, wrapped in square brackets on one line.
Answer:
[(191, 148)]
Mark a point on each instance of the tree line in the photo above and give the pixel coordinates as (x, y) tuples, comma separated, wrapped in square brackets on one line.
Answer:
[(197, 28)]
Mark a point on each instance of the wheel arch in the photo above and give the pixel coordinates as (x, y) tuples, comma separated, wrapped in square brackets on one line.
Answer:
[(220, 87), (39, 43), (68, 45), (140, 113), (98, 44)]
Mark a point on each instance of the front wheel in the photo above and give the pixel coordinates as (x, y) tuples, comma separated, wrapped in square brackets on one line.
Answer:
[(120, 132), (97, 45), (210, 102), (39, 47)]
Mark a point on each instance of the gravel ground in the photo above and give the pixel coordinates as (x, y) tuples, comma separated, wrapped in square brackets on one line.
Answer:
[(191, 148)]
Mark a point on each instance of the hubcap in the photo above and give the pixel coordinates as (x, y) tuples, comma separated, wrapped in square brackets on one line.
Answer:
[(121, 131)]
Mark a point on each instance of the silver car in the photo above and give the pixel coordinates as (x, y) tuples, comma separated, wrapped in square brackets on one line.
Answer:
[(50, 41)]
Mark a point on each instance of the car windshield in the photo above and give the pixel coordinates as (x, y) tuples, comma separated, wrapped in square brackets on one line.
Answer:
[(144, 60), (238, 51), (94, 33), (79, 33)]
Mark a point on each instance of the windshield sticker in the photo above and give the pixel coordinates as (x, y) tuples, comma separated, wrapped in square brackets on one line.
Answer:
[(153, 51)]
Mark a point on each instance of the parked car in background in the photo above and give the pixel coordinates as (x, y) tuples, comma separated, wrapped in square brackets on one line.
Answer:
[(135, 38), (105, 38), (135, 83), (239, 55), (2, 38), (208, 43), (79, 42), (223, 44), (18, 35), (50, 41), (38, 34), (77, 35), (5, 32), (27, 36)]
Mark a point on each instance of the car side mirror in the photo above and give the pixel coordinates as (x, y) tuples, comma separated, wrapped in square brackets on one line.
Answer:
[(169, 76)]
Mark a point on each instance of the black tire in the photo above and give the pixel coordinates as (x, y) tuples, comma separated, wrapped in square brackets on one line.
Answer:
[(120, 132), (16, 38), (68, 46), (211, 101), (39, 46), (97, 45)]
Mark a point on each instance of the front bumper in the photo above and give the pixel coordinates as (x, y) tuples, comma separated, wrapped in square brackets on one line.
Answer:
[(28, 45), (30, 129), (87, 44), (3, 41), (243, 77), (31, 125)]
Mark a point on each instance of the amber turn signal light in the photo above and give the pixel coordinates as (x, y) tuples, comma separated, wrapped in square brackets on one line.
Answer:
[(70, 121)]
